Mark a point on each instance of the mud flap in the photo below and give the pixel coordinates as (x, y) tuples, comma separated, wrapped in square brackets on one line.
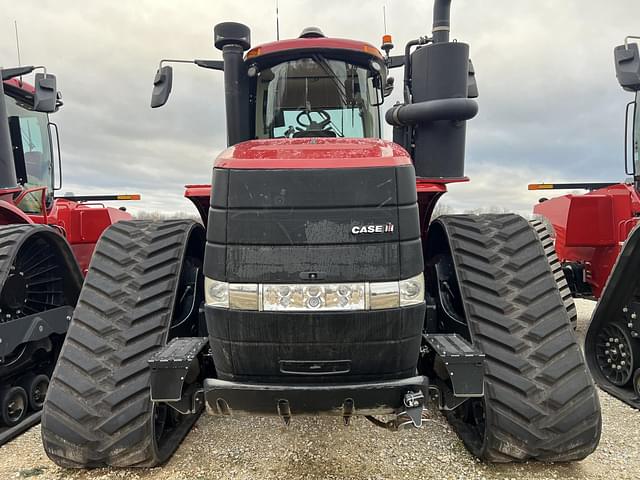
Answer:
[(619, 307)]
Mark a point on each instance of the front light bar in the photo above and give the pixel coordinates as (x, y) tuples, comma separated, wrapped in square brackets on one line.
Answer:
[(270, 297)]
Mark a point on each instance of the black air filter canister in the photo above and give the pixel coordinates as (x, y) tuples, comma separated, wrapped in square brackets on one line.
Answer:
[(440, 71)]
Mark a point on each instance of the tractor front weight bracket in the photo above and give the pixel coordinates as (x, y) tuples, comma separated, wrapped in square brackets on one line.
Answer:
[(174, 366)]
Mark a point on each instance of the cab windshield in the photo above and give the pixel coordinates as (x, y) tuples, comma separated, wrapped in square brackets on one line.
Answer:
[(34, 133), (317, 97)]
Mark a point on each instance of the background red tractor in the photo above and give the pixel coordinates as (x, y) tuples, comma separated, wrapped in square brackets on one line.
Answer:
[(596, 241), (46, 243)]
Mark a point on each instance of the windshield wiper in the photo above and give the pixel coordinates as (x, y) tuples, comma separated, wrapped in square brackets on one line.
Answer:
[(342, 89)]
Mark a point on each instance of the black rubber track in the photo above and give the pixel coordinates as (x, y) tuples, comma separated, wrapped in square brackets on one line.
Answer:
[(98, 410), (12, 239), (540, 401), (556, 268)]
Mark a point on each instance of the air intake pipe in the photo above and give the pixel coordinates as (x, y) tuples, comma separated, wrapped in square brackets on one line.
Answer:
[(435, 120), (233, 39), (7, 165)]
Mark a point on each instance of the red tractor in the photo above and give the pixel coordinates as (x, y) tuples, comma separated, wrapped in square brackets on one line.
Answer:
[(594, 231), (46, 243), (318, 284)]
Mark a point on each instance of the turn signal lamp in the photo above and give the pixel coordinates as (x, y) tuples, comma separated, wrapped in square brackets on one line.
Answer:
[(254, 52), (540, 186)]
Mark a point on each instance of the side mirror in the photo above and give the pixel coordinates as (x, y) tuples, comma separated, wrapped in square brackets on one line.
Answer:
[(627, 60), (46, 93), (162, 86)]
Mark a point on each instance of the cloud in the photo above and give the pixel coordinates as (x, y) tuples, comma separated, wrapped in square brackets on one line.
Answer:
[(550, 106)]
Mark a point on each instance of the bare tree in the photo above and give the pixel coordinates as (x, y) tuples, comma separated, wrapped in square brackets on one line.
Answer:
[(156, 215), (441, 209)]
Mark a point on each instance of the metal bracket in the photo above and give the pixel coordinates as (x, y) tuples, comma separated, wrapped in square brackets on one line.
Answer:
[(414, 403), (463, 363), (171, 366), (33, 327)]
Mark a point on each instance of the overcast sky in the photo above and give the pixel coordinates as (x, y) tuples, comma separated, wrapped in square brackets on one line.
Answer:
[(550, 106)]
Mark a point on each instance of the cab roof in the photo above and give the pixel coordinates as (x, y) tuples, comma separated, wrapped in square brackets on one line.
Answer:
[(359, 51)]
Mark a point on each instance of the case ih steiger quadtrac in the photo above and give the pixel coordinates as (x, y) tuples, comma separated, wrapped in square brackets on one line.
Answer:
[(320, 286), (45, 247), (594, 231)]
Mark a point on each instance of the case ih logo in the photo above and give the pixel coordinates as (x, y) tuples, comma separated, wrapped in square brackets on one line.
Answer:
[(358, 229)]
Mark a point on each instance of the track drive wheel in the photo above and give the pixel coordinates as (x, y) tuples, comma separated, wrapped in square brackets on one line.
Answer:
[(13, 406), (539, 399), (556, 268), (98, 409)]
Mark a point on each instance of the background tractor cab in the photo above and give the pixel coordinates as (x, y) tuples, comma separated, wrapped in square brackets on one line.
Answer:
[(32, 166)]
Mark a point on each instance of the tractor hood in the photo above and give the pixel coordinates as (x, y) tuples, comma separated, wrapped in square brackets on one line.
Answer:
[(313, 153), (301, 154)]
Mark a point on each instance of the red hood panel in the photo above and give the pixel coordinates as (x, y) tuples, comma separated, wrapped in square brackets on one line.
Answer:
[(307, 153)]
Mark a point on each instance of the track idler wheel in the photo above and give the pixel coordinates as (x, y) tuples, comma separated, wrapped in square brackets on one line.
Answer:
[(13, 406), (36, 387)]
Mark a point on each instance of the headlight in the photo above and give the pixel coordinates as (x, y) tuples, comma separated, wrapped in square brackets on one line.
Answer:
[(237, 296), (329, 296), (309, 297), (411, 290), (216, 294)]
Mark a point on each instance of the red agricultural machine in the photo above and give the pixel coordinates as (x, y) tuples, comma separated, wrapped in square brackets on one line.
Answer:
[(596, 241), (319, 285), (45, 247)]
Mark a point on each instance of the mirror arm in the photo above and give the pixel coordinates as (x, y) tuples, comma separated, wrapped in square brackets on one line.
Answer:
[(394, 61), (9, 73), (210, 64)]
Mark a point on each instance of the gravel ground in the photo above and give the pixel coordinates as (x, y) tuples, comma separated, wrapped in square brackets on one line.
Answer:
[(321, 448)]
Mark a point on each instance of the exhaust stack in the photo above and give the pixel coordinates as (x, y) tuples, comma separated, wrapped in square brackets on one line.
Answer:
[(432, 125), (233, 39)]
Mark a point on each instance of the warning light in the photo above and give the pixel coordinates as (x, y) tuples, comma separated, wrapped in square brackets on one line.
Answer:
[(128, 197), (540, 186), (387, 43)]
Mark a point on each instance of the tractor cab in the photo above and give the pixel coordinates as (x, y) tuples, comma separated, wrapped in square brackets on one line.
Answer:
[(314, 86), (30, 139), (32, 147)]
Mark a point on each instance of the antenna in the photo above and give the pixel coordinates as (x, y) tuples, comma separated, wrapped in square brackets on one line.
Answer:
[(384, 18), (277, 23), (15, 24)]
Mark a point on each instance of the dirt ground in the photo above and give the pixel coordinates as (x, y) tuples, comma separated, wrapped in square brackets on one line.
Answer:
[(321, 448)]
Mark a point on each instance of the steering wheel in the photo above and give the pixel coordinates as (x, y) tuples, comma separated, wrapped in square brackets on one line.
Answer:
[(310, 125)]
